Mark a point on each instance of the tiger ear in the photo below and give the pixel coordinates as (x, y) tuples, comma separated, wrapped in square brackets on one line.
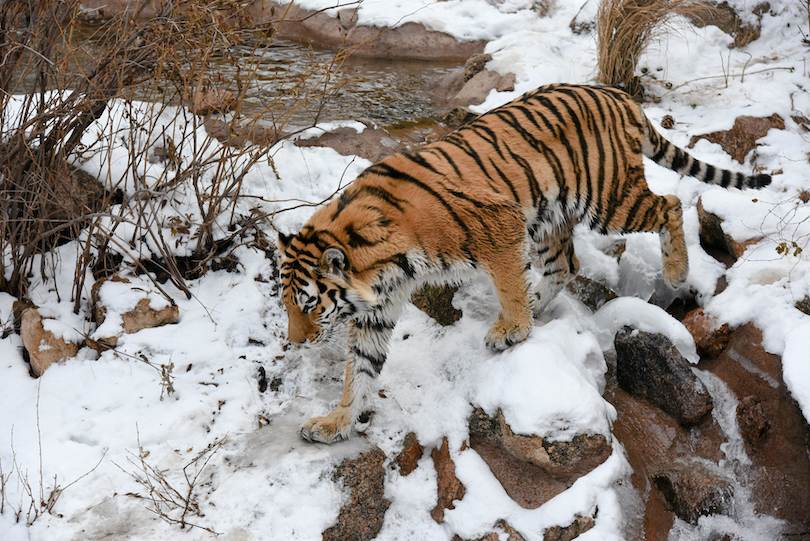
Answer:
[(334, 262), (284, 240)]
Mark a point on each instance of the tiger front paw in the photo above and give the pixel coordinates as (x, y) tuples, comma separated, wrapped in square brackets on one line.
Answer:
[(329, 429), (502, 336)]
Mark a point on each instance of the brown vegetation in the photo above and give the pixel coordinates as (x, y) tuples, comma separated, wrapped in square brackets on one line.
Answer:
[(624, 30)]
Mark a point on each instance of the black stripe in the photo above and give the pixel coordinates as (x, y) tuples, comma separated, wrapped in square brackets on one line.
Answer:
[(387, 171)]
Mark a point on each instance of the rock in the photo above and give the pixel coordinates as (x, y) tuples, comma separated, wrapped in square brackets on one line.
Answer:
[(43, 347), (591, 293), (804, 305), (141, 316), (560, 459), (410, 40), (742, 137), (713, 238), (530, 469), (726, 19), (692, 491), (653, 440), (572, 531), (212, 100), (475, 64), (779, 473), (449, 487), (408, 458), (751, 419), (476, 90), (362, 518), (373, 143), (711, 338), (437, 302), (649, 366), (458, 117)]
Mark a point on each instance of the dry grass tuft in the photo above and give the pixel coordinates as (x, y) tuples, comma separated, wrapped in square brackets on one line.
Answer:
[(626, 27)]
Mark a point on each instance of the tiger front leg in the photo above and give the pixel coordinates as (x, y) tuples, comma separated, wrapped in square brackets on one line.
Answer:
[(368, 341), (514, 322)]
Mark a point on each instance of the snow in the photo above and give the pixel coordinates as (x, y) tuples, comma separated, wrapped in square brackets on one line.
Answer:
[(168, 394)]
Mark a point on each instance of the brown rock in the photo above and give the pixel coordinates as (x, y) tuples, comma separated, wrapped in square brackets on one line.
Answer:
[(560, 459), (751, 419), (726, 19), (742, 137), (373, 143), (528, 485), (141, 317), (570, 532), (710, 337), (692, 491), (42, 346), (780, 471), (361, 518), (476, 90), (408, 458), (715, 241), (437, 302), (212, 100), (410, 40), (475, 64), (450, 488), (653, 440), (531, 485), (145, 317), (591, 293)]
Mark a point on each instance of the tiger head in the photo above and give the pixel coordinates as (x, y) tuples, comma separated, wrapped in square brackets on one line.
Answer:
[(316, 287)]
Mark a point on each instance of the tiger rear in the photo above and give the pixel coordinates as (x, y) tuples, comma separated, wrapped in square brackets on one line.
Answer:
[(498, 195)]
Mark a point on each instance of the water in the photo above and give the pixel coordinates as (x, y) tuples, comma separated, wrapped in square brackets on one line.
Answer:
[(744, 524)]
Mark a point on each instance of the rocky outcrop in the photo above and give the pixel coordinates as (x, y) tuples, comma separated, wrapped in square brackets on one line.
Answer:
[(649, 366), (410, 40), (362, 517)]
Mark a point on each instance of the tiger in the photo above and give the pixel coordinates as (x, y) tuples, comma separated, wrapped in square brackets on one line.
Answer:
[(498, 195)]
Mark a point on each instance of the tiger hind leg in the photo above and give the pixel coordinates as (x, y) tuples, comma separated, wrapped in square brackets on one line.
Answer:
[(554, 256), (658, 214)]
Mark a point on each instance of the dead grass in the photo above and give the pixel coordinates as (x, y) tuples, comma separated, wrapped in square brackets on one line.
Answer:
[(624, 30)]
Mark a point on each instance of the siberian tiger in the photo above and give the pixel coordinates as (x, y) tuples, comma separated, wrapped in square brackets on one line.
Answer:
[(501, 192)]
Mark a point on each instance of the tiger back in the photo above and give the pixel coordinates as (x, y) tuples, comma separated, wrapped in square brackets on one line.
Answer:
[(500, 194)]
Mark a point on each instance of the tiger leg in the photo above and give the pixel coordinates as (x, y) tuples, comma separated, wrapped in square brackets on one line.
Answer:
[(368, 342), (509, 270), (554, 256), (659, 214)]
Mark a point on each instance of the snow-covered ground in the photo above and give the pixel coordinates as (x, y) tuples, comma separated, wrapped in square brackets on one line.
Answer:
[(92, 425)]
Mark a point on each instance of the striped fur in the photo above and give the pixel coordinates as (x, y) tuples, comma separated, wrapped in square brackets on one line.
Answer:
[(501, 193)]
